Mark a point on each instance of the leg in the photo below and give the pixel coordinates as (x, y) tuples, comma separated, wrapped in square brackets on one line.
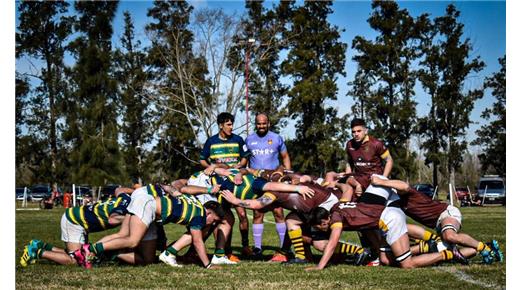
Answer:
[(258, 228), (244, 230), (279, 219)]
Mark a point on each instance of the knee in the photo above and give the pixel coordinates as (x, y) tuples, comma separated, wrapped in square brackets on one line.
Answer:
[(450, 236)]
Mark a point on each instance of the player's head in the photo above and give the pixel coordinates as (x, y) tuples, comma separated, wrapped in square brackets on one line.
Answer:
[(320, 218), (214, 212), (262, 124), (359, 129), (225, 123)]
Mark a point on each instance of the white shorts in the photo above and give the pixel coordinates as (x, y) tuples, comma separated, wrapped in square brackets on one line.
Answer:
[(329, 203), (143, 206), (452, 212), (72, 233), (392, 224)]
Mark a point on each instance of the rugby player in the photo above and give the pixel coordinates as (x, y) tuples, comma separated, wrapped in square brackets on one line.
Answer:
[(266, 147), (297, 218), (445, 218), (228, 150), (148, 204), (76, 223)]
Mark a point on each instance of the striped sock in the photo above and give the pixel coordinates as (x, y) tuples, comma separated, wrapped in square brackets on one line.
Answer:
[(297, 241), (97, 248), (481, 246), (430, 236), (447, 255), (346, 248), (423, 247)]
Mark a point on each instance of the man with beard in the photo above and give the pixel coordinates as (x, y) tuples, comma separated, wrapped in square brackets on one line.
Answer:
[(266, 147)]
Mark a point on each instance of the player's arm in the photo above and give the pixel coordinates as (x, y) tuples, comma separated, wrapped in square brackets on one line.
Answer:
[(200, 248), (389, 163), (242, 163), (120, 190), (335, 234), (303, 190), (194, 189), (258, 203), (286, 160)]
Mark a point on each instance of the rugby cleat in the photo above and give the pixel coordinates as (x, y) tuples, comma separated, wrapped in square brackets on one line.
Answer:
[(222, 261), (247, 251), (89, 256), (257, 252), (295, 261), (486, 257), (361, 258), (458, 257), (496, 253), (278, 257), (30, 253), (169, 259), (233, 258), (374, 263)]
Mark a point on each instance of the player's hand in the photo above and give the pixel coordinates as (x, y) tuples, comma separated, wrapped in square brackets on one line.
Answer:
[(305, 191), (176, 193), (228, 195), (214, 267), (210, 169), (215, 189), (313, 268), (238, 179)]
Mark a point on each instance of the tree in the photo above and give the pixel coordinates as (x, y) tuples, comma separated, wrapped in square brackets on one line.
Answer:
[(266, 27), (492, 137), (314, 59), (383, 85), (41, 35), (97, 151), (178, 87), (129, 62), (453, 104)]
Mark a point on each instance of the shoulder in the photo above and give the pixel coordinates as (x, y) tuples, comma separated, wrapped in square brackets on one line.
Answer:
[(236, 138), (251, 137)]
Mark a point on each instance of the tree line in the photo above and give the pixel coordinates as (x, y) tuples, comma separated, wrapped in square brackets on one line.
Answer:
[(96, 111)]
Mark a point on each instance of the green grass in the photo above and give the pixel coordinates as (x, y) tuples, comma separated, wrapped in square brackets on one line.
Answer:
[(482, 223)]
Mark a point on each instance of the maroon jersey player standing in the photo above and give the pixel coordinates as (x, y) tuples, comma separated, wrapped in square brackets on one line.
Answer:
[(365, 155)]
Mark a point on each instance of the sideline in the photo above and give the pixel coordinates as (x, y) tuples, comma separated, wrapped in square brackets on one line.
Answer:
[(460, 275), (29, 208)]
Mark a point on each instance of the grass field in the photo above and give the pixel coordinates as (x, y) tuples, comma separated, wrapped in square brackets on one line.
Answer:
[(483, 223)]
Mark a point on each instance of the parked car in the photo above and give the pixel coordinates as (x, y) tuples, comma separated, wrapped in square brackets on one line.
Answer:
[(461, 192), (493, 188), (20, 192), (425, 188), (40, 191)]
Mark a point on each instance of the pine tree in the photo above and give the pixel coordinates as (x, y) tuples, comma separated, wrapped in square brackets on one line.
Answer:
[(385, 79), (97, 150), (492, 137), (315, 57), (131, 76), (41, 35)]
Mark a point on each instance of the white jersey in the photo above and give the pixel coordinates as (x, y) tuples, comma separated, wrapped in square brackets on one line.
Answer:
[(201, 179), (387, 193)]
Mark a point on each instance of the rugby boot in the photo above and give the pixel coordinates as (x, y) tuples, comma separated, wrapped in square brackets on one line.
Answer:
[(495, 251), (169, 259)]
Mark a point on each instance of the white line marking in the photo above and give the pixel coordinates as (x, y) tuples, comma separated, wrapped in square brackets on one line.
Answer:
[(34, 208), (465, 277)]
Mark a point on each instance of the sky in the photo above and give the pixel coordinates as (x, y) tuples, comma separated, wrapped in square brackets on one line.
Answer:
[(484, 24)]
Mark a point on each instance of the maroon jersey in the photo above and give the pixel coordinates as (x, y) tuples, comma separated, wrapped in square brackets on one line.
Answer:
[(295, 202), (355, 216), (421, 208), (366, 158)]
